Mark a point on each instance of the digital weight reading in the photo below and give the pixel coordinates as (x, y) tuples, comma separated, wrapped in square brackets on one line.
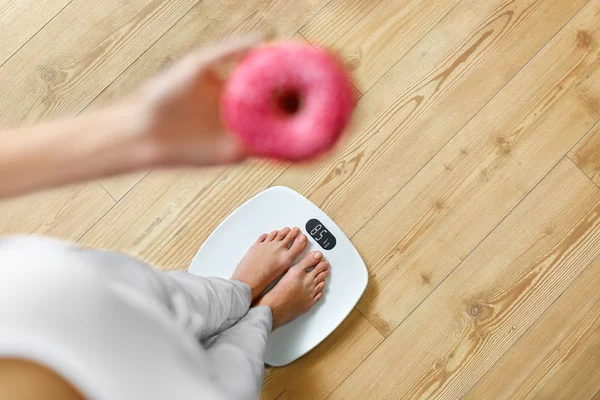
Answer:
[(320, 234)]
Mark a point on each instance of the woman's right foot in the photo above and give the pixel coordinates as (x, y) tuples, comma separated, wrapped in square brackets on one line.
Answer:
[(298, 290), (268, 258)]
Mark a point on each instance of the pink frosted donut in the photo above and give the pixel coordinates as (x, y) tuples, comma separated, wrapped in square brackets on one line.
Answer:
[(288, 101)]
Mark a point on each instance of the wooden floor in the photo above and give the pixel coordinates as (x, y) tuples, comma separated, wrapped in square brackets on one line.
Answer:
[(468, 182)]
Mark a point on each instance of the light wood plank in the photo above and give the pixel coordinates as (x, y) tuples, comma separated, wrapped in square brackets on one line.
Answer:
[(315, 375), (372, 36), (484, 171), (66, 213), (491, 299), (82, 50), (586, 155), (425, 100), (558, 357), (21, 19)]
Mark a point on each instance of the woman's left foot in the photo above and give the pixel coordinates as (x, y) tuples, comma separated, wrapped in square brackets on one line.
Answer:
[(268, 258)]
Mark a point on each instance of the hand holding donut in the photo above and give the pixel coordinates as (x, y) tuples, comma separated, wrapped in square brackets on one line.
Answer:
[(287, 101), (180, 109)]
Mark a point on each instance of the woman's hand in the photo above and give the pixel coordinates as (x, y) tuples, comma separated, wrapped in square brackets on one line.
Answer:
[(180, 109), (172, 120)]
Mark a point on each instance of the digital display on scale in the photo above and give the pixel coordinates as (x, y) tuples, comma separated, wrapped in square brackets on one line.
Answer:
[(320, 234)]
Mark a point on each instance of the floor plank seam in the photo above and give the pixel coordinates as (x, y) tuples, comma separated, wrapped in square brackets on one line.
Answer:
[(107, 192), (137, 183), (75, 242), (110, 209), (365, 317), (35, 34), (582, 171), (533, 324), (596, 395)]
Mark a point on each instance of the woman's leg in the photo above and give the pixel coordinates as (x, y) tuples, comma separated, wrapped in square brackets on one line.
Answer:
[(238, 353), (203, 306)]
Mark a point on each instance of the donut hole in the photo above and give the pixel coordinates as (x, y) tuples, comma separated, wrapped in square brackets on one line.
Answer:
[(289, 101)]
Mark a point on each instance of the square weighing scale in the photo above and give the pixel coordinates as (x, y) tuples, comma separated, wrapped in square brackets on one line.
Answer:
[(276, 208)]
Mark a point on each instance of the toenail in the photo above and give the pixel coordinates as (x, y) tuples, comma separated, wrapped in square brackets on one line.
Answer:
[(317, 254), (302, 239)]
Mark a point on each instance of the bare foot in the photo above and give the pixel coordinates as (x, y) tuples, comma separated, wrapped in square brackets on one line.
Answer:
[(298, 290), (268, 258)]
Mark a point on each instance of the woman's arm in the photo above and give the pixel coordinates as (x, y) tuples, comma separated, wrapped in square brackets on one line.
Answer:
[(102, 143), (172, 120)]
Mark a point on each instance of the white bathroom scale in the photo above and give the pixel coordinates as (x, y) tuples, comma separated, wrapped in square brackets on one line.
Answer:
[(276, 208)]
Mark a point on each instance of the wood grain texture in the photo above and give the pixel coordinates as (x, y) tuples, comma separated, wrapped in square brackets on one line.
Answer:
[(424, 101), (66, 213), (586, 155), (318, 373), (480, 175), (20, 20), (491, 299), (77, 54), (558, 357), (372, 36)]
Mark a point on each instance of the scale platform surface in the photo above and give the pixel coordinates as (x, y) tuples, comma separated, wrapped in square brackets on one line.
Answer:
[(276, 208)]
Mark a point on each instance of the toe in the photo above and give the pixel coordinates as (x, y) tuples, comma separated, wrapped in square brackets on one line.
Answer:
[(298, 245), (309, 260), (321, 267), (272, 236), (322, 276), (262, 238), (282, 233), (319, 287), (292, 234), (317, 297)]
